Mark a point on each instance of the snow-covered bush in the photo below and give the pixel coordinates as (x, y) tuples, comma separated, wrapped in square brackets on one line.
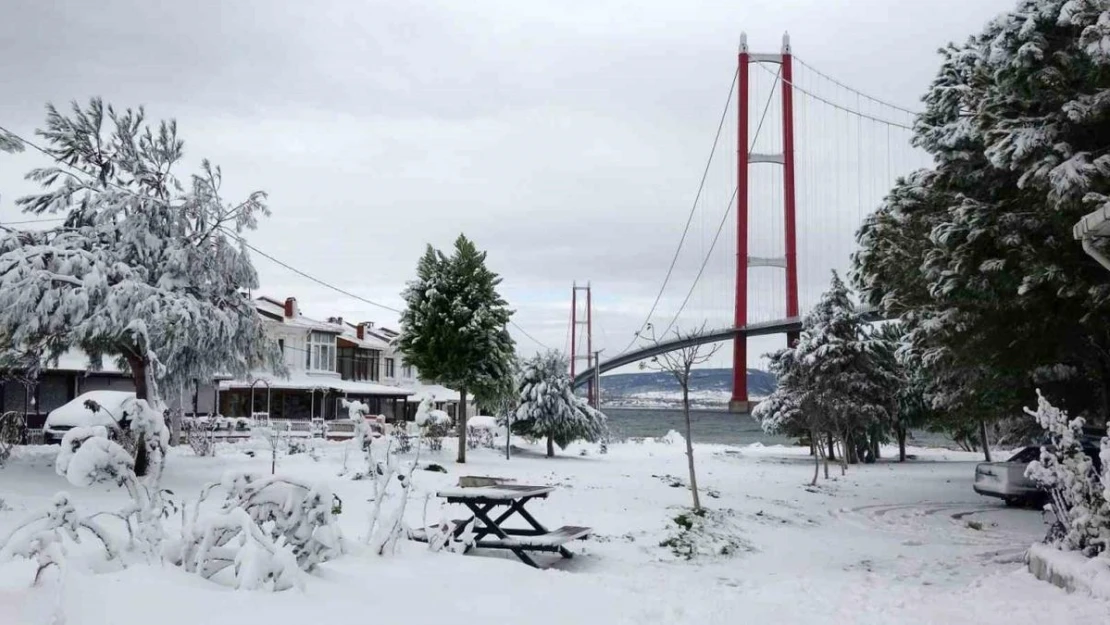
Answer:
[(87, 457), (481, 431), (706, 533), (40, 538), (232, 539), (293, 512), (383, 532), (434, 424), (1080, 495), (268, 530), (11, 433)]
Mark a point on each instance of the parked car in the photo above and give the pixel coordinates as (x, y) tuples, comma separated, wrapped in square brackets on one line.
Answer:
[(78, 413), (1007, 481)]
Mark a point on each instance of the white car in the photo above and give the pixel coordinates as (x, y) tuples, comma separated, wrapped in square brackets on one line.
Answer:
[(78, 412)]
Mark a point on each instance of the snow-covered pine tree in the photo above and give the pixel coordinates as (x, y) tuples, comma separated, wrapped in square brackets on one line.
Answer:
[(454, 327), (842, 368), (1016, 124), (548, 407), (147, 268), (790, 408)]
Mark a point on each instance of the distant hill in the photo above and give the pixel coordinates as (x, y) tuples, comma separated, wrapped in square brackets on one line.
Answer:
[(708, 388)]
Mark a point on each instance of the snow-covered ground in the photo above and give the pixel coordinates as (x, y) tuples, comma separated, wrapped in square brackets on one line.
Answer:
[(889, 543)]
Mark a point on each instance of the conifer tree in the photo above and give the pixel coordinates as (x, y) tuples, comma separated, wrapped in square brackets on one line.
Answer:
[(548, 408), (975, 254), (454, 327)]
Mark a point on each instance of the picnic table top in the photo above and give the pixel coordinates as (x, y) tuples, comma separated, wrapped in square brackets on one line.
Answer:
[(506, 492)]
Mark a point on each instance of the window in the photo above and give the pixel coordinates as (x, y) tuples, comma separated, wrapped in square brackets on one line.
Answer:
[(406, 370), (321, 352), (355, 364), (374, 365), (389, 372)]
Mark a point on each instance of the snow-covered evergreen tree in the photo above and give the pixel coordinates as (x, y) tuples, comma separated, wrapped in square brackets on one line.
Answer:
[(147, 268), (454, 327), (977, 251), (833, 380), (548, 407)]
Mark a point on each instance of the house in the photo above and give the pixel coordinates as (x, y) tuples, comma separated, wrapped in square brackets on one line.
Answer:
[(319, 379), (71, 376)]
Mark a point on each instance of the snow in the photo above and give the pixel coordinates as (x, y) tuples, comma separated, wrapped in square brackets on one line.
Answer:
[(302, 380), (482, 422), (889, 543), (1071, 570), (74, 413)]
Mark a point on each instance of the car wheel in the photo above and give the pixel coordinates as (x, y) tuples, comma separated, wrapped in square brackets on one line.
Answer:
[(1014, 502)]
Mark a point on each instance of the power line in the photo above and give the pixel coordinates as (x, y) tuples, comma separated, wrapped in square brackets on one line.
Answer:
[(690, 217), (239, 238), (852, 89)]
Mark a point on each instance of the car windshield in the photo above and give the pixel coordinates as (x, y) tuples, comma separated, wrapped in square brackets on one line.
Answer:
[(1029, 454)]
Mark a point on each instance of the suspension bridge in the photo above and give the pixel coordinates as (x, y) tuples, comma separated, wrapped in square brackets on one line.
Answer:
[(797, 161)]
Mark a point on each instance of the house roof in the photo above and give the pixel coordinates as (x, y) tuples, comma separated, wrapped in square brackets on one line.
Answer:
[(304, 381), (369, 340), (77, 360), (275, 310)]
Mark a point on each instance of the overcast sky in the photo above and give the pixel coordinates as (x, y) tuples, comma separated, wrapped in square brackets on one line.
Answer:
[(566, 138)]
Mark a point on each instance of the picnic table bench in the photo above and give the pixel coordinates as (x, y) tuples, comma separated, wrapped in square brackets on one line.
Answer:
[(491, 533)]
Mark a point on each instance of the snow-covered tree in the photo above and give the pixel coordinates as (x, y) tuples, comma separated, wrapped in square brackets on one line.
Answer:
[(454, 327), (148, 269), (833, 380), (548, 407), (977, 250), (679, 363), (1080, 494)]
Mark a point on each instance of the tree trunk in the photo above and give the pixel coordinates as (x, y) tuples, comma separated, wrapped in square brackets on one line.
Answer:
[(851, 452), (461, 427), (832, 448), (844, 453), (875, 451), (983, 439), (550, 446), (816, 456), (901, 443), (690, 444), (138, 366)]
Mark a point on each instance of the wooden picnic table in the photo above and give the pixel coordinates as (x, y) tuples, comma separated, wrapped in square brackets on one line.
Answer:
[(482, 500)]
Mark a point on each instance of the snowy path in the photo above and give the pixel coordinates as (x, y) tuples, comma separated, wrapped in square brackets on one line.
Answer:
[(888, 543)]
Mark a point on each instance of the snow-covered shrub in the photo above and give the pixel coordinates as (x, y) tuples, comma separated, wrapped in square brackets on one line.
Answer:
[(292, 512), (87, 457), (1080, 496), (481, 431), (434, 424), (706, 533), (201, 437), (383, 532), (233, 539), (11, 433), (40, 537)]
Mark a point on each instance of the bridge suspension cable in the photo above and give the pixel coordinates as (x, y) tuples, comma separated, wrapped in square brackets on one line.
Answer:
[(690, 217), (859, 93), (840, 106)]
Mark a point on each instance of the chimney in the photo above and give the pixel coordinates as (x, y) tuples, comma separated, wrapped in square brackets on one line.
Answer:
[(335, 320), (360, 331), (291, 307)]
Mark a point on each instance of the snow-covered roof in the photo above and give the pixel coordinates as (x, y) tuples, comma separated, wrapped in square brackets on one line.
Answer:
[(437, 391), (369, 340), (305, 381), (1094, 224), (274, 308), (77, 360)]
